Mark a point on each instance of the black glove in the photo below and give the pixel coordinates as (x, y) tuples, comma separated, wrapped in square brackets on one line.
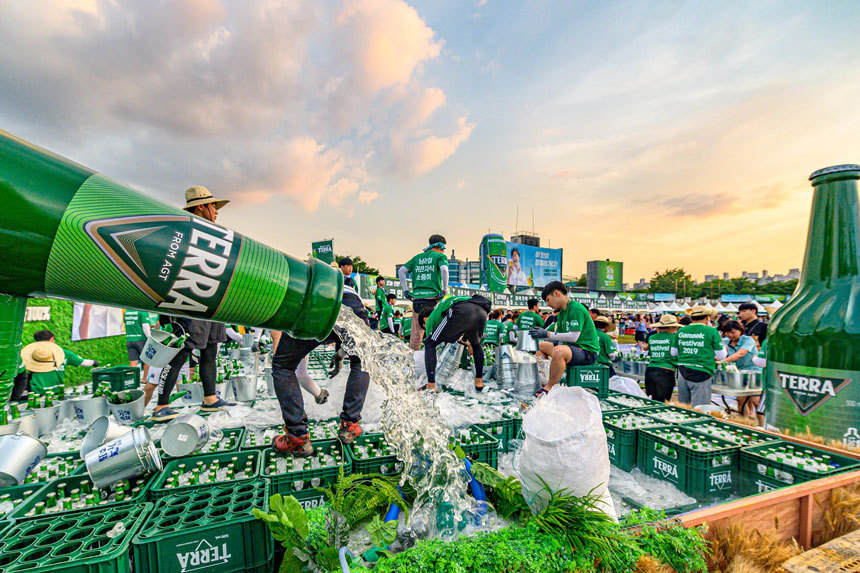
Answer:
[(538, 333), (407, 295), (95, 363)]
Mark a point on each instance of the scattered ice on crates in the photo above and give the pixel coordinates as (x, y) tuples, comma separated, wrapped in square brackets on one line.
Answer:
[(645, 490)]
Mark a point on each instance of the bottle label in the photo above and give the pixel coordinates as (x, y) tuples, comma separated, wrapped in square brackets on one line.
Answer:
[(117, 246), (809, 388)]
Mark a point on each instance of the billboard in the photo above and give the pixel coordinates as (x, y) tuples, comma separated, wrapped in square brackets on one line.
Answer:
[(533, 266), (323, 250), (605, 276)]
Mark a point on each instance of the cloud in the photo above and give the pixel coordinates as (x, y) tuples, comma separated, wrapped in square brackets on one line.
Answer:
[(460, 184), (420, 154), (262, 99)]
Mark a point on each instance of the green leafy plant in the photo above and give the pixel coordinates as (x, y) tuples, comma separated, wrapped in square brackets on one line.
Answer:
[(684, 549), (288, 523), (359, 497)]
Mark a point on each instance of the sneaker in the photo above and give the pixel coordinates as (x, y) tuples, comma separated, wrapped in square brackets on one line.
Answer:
[(164, 415), (219, 406), (348, 432), (297, 446), (323, 397)]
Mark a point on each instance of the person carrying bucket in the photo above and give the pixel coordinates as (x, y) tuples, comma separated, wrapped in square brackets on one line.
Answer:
[(453, 319), (289, 355), (46, 362), (203, 335)]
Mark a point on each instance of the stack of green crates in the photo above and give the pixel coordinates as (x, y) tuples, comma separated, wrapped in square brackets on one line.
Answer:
[(764, 467), (622, 438), (159, 488), (386, 464), (16, 495), (676, 415), (82, 485), (301, 483)]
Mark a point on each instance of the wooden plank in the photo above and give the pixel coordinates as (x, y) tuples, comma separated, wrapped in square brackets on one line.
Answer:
[(804, 522), (842, 555)]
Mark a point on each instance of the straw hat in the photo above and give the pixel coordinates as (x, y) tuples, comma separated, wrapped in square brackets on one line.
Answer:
[(199, 195), (605, 320), (701, 311), (43, 356), (667, 321)]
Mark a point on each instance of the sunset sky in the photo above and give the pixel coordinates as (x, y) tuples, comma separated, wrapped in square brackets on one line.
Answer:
[(659, 134)]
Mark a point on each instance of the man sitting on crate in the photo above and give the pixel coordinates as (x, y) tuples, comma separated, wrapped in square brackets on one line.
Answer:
[(288, 355), (575, 335)]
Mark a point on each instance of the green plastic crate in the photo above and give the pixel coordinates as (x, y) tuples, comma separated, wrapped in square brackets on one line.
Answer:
[(387, 464), (157, 490), (607, 407), (634, 402), (285, 483), (221, 446), (622, 443), (119, 377), (72, 543), (503, 430), (763, 473), (24, 511), (41, 473), (17, 494), (693, 472), (742, 436), (210, 529), (309, 498), (486, 450), (680, 416), (592, 376)]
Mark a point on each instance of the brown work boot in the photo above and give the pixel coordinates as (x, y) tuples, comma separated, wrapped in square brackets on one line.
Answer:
[(288, 444), (348, 432)]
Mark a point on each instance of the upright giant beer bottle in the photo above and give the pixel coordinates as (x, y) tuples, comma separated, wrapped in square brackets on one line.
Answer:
[(68, 232), (494, 262), (813, 356)]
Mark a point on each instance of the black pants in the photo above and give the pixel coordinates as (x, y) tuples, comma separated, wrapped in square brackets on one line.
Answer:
[(462, 319), (205, 369), (659, 383), (21, 387), (288, 355)]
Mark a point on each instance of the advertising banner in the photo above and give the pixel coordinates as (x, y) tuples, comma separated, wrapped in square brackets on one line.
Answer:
[(96, 321), (533, 266), (604, 276), (736, 298), (323, 250)]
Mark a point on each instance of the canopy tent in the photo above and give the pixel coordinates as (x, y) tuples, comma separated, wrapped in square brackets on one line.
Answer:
[(773, 306), (730, 308)]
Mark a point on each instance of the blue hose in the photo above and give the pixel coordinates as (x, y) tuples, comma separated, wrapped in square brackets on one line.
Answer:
[(477, 488), (344, 551)]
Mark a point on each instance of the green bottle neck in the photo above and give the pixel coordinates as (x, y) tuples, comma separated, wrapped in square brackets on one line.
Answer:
[(833, 243)]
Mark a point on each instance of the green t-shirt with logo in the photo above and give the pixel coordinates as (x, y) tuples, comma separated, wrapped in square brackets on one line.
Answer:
[(41, 382), (528, 320), (406, 326), (492, 331), (696, 344), (380, 298), (507, 327), (606, 348), (575, 318), (134, 321), (426, 269), (436, 316), (660, 350), (387, 312)]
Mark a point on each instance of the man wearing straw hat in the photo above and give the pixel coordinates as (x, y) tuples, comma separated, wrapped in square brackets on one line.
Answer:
[(203, 335), (698, 346), (46, 361), (660, 373)]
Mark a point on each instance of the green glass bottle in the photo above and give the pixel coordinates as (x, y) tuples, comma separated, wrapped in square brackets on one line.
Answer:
[(143, 253), (813, 368)]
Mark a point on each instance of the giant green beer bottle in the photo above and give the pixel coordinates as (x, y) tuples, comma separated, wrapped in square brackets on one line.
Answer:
[(494, 262), (68, 232), (813, 378)]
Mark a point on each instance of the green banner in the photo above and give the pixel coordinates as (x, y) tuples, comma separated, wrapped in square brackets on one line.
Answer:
[(604, 276), (323, 250)]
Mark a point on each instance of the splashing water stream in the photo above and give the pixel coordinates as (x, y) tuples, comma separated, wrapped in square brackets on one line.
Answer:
[(412, 424)]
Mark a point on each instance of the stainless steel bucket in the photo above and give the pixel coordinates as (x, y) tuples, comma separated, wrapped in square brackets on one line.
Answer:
[(9, 428), (184, 435), (223, 390), (130, 455), (130, 412), (194, 397), (449, 361), (270, 382), (528, 380), (525, 342), (102, 430), (755, 380), (244, 388), (506, 368), (47, 419), (19, 454), (28, 423), (88, 409), (67, 410), (734, 380)]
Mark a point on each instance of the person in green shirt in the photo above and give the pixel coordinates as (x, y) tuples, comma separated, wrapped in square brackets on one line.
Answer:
[(406, 327), (455, 318), (379, 295), (429, 271), (508, 327), (574, 330), (386, 318), (530, 318), (46, 361), (697, 346), (607, 352), (398, 322), (660, 372), (493, 328)]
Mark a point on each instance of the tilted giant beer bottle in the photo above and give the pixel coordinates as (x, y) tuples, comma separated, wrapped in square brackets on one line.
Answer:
[(68, 232), (813, 364)]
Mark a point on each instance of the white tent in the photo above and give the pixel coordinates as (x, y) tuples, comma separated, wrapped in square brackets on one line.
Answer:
[(772, 306), (674, 308), (720, 307), (709, 306), (730, 308)]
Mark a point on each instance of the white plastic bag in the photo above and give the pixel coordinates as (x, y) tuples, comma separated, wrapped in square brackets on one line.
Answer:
[(626, 386), (564, 448)]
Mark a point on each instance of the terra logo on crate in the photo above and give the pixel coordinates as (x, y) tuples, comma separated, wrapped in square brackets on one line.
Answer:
[(204, 555), (665, 468), (721, 480), (589, 376)]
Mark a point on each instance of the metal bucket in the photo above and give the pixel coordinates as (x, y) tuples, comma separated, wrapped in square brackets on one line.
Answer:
[(47, 419), (128, 456), (224, 391), (734, 380), (102, 430), (19, 454), (506, 368), (244, 387), (270, 382), (28, 423), (130, 412), (449, 361), (9, 428), (754, 380), (525, 342), (184, 435), (154, 352), (67, 410), (528, 379), (194, 397), (234, 353), (88, 409)]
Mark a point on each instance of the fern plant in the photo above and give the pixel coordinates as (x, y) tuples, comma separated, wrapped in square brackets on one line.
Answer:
[(359, 497)]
